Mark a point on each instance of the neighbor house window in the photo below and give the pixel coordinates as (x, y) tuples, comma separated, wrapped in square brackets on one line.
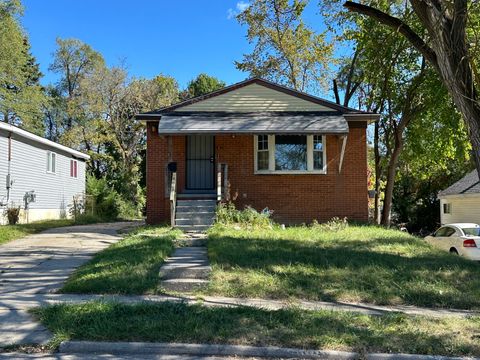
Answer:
[(73, 168), (290, 154), (447, 208), (51, 162)]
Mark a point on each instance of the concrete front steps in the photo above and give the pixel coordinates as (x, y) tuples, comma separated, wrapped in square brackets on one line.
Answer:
[(188, 268), (195, 215)]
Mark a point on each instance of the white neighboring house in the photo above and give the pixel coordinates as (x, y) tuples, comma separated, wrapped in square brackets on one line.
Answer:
[(460, 203), (38, 173)]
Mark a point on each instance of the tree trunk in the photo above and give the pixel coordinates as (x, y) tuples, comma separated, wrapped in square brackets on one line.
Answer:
[(391, 173), (377, 172), (459, 82)]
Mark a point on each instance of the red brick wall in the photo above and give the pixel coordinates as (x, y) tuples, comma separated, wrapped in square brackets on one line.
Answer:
[(294, 198)]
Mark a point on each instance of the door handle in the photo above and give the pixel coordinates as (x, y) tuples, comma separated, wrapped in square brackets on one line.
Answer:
[(212, 160)]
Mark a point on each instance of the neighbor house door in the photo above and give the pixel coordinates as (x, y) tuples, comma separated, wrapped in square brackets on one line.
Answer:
[(200, 169)]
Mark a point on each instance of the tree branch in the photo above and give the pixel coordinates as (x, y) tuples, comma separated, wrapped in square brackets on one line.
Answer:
[(335, 91), (397, 25)]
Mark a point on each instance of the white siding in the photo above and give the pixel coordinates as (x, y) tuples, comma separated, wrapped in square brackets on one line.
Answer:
[(254, 97), (462, 209), (29, 172)]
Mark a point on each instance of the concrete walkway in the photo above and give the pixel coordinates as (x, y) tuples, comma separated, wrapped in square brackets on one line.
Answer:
[(56, 356), (188, 267), (39, 264)]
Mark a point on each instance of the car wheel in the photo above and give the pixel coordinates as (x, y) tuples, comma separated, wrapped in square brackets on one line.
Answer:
[(453, 251)]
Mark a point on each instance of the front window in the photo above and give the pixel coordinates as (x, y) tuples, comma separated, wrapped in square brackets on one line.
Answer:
[(290, 154)]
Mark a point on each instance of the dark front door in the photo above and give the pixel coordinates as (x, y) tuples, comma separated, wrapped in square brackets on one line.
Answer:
[(200, 162)]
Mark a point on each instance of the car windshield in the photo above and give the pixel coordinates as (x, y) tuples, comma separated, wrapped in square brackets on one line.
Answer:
[(471, 231)]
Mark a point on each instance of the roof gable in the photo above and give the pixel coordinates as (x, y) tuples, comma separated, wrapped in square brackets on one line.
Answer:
[(254, 95), (252, 98)]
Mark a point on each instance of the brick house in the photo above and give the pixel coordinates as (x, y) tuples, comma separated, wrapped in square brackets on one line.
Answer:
[(260, 144)]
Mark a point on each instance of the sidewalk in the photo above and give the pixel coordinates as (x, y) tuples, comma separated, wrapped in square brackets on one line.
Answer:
[(28, 301), (237, 351)]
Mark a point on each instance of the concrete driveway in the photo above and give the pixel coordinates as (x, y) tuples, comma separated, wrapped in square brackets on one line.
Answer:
[(39, 264)]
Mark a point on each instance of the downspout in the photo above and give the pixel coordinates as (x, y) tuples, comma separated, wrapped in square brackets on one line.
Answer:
[(8, 181)]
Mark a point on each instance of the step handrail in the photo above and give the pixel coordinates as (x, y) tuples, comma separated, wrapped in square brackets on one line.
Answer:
[(173, 199), (222, 191)]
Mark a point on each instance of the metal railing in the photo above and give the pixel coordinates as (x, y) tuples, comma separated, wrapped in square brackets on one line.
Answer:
[(222, 182), (173, 198)]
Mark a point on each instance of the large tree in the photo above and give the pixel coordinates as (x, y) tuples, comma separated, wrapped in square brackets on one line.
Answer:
[(21, 96), (201, 85), (113, 99), (448, 40), (385, 76), (285, 50), (73, 60)]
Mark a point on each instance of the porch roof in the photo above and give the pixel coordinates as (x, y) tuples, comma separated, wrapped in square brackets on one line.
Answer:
[(253, 123)]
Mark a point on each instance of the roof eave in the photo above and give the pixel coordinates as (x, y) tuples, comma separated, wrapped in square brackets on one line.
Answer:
[(38, 139), (249, 132)]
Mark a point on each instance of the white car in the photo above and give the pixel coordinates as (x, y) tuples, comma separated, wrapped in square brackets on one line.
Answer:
[(461, 239)]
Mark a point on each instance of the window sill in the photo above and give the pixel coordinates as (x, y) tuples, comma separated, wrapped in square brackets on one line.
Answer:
[(51, 172), (292, 172)]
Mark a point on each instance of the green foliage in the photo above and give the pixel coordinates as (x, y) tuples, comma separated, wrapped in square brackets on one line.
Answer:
[(227, 214), (21, 96), (201, 85), (285, 49), (108, 203), (106, 199), (433, 147), (93, 107), (334, 224)]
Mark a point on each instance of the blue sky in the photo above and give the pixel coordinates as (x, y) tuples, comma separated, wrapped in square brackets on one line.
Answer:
[(180, 38)]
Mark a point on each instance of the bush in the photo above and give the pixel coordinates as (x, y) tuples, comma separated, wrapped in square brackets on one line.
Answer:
[(106, 200), (13, 214), (334, 224), (228, 214)]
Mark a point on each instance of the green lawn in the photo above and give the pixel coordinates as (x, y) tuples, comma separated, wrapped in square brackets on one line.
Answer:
[(128, 267), (360, 263), (12, 232), (170, 322)]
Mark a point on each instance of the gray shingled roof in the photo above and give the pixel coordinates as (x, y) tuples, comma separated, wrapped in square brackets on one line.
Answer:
[(469, 184), (253, 123)]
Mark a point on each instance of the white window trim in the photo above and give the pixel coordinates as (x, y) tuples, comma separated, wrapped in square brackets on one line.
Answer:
[(271, 158), (49, 156)]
